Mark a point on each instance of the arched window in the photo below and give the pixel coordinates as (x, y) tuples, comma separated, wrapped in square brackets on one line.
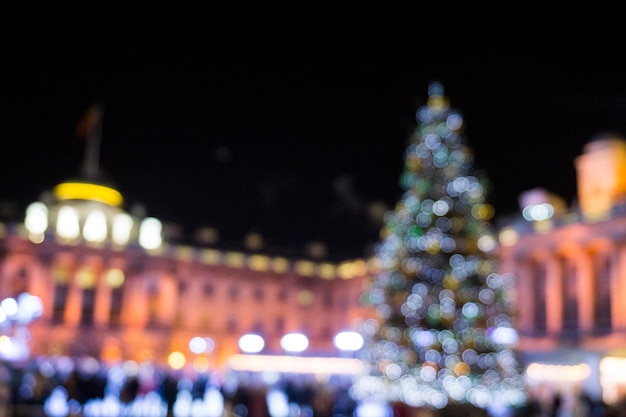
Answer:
[(61, 275), (153, 303)]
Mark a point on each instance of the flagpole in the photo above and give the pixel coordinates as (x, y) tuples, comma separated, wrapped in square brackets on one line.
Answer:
[(92, 145)]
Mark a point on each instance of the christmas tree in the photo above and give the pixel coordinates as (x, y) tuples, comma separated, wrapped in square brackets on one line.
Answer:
[(443, 330)]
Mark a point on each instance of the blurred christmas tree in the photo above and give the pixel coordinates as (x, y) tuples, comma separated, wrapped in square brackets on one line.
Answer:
[(443, 332)]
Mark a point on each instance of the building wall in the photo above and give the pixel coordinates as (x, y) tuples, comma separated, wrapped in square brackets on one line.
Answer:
[(173, 294), (570, 275)]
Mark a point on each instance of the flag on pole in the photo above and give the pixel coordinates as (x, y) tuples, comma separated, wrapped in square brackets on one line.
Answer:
[(88, 129), (88, 125)]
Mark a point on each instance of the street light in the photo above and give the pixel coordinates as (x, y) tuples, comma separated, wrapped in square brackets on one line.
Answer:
[(294, 342), (348, 341), (251, 343)]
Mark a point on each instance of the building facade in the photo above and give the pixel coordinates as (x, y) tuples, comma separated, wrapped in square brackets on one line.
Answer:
[(110, 287), (570, 270), (94, 280)]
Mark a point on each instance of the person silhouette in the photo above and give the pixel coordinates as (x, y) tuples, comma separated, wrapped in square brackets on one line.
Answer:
[(556, 405)]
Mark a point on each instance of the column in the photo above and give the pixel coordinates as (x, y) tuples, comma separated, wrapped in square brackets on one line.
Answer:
[(44, 286), (618, 290), (134, 303), (72, 312), (554, 295), (570, 282), (168, 294), (525, 297), (102, 306), (586, 290)]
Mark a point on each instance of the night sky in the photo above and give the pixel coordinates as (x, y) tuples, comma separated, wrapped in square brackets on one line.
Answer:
[(294, 125)]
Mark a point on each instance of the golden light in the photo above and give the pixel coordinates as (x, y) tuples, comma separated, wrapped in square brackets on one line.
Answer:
[(483, 211), (348, 270), (235, 259), (61, 275), (86, 278), (508, 236), (259, 262), (210, 256), (87, 191), (200, 364), (280, 265), (114, 277), (111, 351), (176, 360), (305, 268), (304, 297), (462, 368), (326, 271), (184, 253)]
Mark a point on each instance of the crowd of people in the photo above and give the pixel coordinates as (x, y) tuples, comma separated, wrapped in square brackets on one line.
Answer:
[(26, 388), (83, 387)]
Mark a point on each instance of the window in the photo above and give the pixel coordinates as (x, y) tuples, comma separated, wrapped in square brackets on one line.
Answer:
[(602, 296), (257, 328), (208, 289), (233, 292), (258, 294), (328, 300), (279, 325), (19, 283), (153, 303), (569, 284), (231, 325), (344, 304), (60, 298), (87, 307), (115, 314), (327, 332)]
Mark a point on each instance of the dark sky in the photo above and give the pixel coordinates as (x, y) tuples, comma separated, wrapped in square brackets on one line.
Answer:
[(294, 125)]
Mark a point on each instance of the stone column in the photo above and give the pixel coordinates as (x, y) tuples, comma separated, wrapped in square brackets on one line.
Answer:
[(554, 295), (168, 297), (618, 290), (585, 291), (73, 302), (525, 297), (135, 304), (102, 306)]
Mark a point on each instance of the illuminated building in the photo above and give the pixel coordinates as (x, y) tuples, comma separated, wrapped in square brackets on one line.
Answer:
[(113, 287), (570, 269)]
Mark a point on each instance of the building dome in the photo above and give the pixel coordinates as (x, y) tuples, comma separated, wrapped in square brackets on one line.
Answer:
[(604, 140)]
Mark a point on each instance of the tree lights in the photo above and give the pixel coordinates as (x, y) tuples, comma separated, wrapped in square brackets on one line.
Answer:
[(443, 331)]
